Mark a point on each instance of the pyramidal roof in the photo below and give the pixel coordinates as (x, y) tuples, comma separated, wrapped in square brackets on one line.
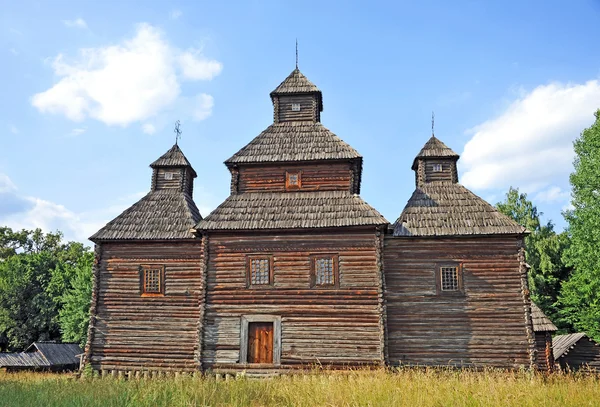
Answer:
[(160, 215), (434, 148), (173, 158), (296, 82)]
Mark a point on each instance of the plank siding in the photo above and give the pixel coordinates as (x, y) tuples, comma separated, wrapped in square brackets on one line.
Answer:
[(308, 108), (147, 333), (585, 354), (329, 326), (444, 175), (315, 177), (163, 183), (487, 325)]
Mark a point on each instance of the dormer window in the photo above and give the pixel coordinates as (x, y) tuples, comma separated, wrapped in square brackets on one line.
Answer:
[(295, 107), (437, 167), (293, 180)]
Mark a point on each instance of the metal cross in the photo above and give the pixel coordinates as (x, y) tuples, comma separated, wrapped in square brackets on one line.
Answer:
[(177, 131)]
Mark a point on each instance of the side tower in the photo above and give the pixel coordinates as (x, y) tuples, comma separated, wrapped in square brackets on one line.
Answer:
[(455, 276), (148, 279), (294, 253)]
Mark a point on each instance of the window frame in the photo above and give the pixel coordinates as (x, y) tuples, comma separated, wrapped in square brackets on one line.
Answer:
[(435, 167), (288, 185), (249, 259), (294, 105), (313, 270), (161, 280), (459, 275)]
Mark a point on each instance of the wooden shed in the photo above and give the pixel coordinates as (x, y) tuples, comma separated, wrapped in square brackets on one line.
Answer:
[(543, 329), (43, 356), (576, 351)]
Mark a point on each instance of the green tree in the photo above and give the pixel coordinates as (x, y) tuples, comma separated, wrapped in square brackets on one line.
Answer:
[(75, 311), (544, 250), (580, 295)]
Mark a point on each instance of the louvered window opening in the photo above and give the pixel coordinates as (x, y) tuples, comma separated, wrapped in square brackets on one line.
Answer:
[(259, 271), (152, 283), (324, 271), (449, 277)]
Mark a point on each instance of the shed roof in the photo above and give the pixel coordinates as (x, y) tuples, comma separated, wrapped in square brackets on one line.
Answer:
[(174, 157), (294, 141), (434, 148), (285, 210), (562, 344), (541, 323), (449, 209), (162, 214), (43, 354), (296, 82)]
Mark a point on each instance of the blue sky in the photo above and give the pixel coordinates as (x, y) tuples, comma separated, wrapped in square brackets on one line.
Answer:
[(90, 91)]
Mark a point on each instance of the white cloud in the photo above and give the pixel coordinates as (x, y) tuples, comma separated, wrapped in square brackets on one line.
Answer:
[(13, 129), (14, 51), (203, 106), (530, 144), (148, 128), (6, 185), (77, 132), (552, 194), (175, 14), (123, 83), (77, 23), (195, 67)]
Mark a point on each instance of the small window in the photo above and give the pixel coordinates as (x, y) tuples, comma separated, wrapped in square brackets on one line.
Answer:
[(152, 280), (324, 271), (449, 279), (437, 167), (168, 175), (295, 107), (293, 180), (259, 271)]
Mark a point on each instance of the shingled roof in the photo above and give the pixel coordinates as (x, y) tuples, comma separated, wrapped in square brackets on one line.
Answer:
[(541, 323), (562, 344), (291, 210), (296, 82), (173, 158), (43, 354), (448, 209), (294, 141), (434, 148)]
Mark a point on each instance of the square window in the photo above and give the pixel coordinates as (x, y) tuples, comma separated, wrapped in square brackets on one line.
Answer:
[(437, 167), (449, 279), (324, 270), (152, 280), (168, 176), (259, 271), (295, 107), (293, 180)]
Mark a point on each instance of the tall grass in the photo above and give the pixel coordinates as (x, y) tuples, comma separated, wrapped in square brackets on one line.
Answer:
[(410, 387)]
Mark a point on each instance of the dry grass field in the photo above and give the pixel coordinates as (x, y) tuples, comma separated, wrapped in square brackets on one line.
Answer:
[(409, 387)]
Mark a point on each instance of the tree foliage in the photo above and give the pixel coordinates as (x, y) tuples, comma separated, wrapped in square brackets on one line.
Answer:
[(580, 297), (544, 250), (39, 276)]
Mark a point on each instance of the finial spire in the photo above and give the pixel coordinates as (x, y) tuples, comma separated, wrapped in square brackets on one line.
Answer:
[(432, 123), (296, 53), (177, 131)]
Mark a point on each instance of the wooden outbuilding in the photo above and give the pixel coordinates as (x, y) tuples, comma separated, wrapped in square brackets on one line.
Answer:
[(576, 351), (543, 329), (43, 356), (295, 269)]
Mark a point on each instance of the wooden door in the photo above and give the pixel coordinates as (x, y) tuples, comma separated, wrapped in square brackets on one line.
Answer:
[(260, 342)]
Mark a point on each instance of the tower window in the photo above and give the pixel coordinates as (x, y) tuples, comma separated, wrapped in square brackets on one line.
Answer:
[(152, 280), (449, 279), (295, 107), (168, 176), (293, 180), (449, 276), (324, 270), (259, 271), (437, 167)]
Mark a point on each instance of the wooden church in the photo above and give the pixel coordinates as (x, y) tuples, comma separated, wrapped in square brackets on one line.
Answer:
[(295, 269)]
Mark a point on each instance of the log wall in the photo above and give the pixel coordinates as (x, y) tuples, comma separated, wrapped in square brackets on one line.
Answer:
[(308, 108), (489, 324), (329, 326), (135, 333), (585, 354), (314, 177), (544, 357)]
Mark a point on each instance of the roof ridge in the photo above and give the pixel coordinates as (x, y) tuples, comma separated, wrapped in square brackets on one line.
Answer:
[(174, 157), (295, 82)]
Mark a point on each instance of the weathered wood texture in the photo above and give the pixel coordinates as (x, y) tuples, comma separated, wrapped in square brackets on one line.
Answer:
[(585, 354), (487, 325), (181, 179), (335, 176), (329, 326), (544, 357), (308, 108), (147, 333)]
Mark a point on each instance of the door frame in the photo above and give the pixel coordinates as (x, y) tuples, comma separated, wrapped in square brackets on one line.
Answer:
[(245, 320)]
